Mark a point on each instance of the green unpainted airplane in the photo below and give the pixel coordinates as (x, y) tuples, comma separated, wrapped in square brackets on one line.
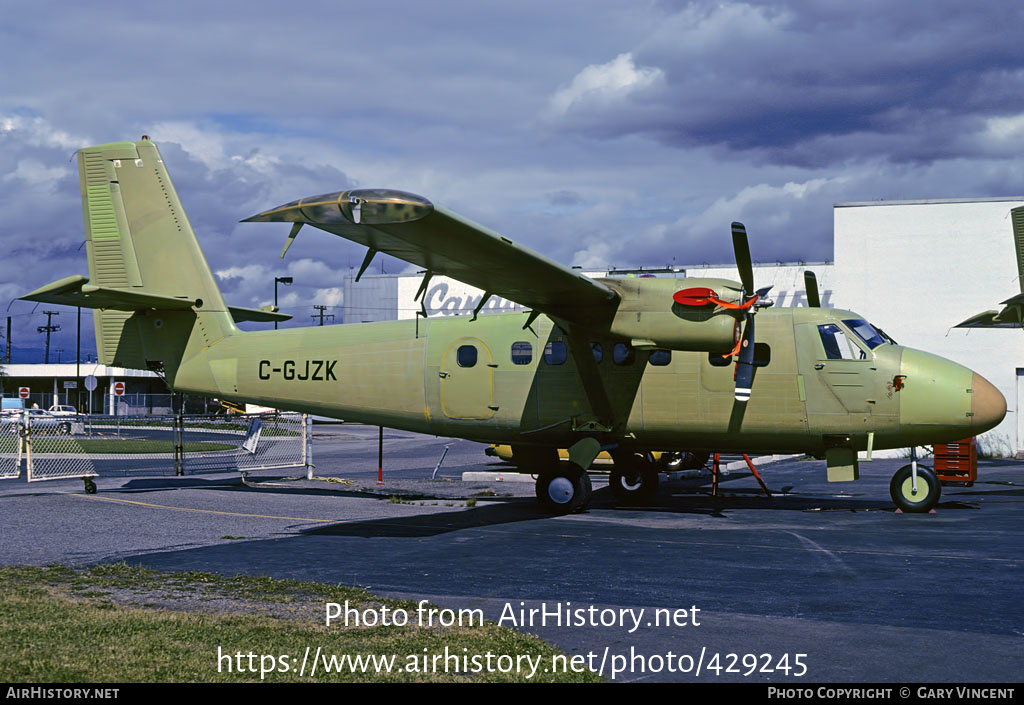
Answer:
[(1012, 313), (625, 365)]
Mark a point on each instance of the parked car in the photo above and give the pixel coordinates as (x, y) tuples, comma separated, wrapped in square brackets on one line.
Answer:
[(11, 405), (62, 410), (40, 420)]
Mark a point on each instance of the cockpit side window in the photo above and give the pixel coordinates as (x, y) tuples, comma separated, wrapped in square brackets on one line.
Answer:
[(837, 345), (866, 332)]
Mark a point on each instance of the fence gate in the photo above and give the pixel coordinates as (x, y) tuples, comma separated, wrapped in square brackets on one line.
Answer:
[(54, 452), (49, 444), (243, 442), (10, 446), (88, 446)]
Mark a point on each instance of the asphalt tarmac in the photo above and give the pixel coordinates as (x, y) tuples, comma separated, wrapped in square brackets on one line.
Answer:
[(826, 571)]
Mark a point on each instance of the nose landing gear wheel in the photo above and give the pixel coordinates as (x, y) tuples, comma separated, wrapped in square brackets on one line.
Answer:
[(901, 489), (564, 490)]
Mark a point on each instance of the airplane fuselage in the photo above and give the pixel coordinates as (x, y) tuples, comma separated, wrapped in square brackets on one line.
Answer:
[(491, 380)]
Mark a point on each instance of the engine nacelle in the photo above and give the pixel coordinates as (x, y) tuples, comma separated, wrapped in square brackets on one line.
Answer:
[(648, 315)]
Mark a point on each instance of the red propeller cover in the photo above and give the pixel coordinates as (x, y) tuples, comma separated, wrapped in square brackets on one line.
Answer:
[(697, 296)]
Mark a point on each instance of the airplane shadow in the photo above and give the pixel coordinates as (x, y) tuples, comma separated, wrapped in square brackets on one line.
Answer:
[(187, 482), (424, 525), (521, 509), (236, 485)]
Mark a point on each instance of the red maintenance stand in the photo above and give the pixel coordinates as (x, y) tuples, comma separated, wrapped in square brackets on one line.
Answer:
[(957, 463)]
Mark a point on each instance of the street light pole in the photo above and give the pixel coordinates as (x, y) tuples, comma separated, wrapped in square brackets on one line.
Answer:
[(284, 280)]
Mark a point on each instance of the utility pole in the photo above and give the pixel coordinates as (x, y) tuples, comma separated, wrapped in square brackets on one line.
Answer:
[(78, 362), (321, 315), (48, 328), (8, 340)]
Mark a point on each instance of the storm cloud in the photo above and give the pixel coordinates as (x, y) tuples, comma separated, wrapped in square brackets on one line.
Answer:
[(598, 133)]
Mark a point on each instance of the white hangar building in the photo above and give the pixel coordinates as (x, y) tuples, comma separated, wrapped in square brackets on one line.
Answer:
[(913, 268), (917, 268)]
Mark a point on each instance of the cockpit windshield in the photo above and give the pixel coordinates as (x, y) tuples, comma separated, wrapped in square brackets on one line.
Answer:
[(866, 332)]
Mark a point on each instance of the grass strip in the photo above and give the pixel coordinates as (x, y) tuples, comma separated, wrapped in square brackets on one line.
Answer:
[(124, 624)]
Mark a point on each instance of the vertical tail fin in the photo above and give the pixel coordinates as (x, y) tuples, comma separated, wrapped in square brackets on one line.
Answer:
[(139, 240)]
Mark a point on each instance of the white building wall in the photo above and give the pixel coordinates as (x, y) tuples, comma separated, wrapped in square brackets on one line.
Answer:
[(372, 298), (389, 297), (446, 297), (786, 280), (918, 268)]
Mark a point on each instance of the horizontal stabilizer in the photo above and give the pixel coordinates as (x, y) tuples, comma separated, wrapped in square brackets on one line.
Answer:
[(264, 314), (1014, 300), (988, 319), (77, 291)]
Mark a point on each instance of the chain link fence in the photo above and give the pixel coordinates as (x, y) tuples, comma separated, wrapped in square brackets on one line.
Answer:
[(10, 448), (58, 447), (102, 402)]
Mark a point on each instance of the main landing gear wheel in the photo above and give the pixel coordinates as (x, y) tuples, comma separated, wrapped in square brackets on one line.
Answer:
[(685, 460), (564, 490), (634, 479), (901, 489)]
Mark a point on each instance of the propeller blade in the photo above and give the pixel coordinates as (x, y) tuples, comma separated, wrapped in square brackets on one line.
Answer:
[(742, 251), (745, 363), (811, 285)]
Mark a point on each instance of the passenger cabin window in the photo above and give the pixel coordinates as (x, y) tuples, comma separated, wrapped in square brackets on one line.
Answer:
[(466, 355), (623, 354), (554, 353), (522, 353), (598, 351), (660, 358), (837, 345)]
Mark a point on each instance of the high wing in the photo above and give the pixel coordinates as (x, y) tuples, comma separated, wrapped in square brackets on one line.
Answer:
[(413, 229), (77, 291)]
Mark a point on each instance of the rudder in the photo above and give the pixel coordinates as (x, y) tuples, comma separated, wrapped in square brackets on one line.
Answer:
[(139, 238)]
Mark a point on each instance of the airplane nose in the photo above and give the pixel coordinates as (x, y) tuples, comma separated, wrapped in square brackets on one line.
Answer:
[(942, 400), (987, 404)]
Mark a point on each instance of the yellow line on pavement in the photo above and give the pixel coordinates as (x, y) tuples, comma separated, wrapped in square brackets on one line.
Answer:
[(204, 511)]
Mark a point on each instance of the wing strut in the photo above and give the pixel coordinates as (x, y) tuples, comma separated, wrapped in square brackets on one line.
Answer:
[(593, 383)]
